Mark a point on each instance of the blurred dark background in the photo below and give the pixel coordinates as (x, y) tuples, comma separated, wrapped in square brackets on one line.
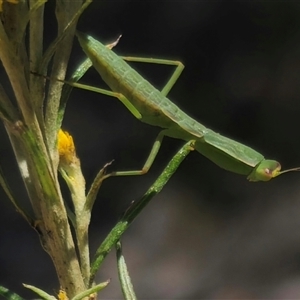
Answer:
[(209, 234)]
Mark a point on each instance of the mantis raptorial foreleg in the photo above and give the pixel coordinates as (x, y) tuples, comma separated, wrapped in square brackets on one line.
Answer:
[(135, 112)]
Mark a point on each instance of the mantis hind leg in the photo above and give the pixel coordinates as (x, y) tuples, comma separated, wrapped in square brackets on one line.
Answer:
[(72, 82), (173, 78), (86, 64)]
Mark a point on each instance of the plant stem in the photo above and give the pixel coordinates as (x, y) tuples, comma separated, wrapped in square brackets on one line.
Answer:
[(136, 207)]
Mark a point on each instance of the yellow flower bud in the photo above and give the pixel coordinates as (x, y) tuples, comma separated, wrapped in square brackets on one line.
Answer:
[(69, 168), (62, 295), (66, 147)]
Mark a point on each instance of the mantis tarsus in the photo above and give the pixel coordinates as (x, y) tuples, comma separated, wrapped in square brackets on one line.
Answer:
[(152, 106)]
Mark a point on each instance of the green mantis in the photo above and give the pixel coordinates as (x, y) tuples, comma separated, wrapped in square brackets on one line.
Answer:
[(151, 106)]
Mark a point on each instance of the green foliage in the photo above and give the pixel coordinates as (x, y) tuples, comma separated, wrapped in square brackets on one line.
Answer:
[(42, 150)]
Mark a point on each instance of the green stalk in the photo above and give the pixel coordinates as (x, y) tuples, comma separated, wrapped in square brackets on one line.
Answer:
[(135, 208), (52, 225), (32, 139)]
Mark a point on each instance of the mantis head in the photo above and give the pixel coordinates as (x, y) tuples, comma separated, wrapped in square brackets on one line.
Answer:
[(267, 170)]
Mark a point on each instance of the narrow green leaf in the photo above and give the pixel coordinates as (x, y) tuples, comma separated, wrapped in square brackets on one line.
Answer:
[(66, 16), (14, 201), (93, 191), (7, 111), (40, 292), (125, 280), (94, 289), (136, 207), (52, 48), (67, 89), (7, 294)]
